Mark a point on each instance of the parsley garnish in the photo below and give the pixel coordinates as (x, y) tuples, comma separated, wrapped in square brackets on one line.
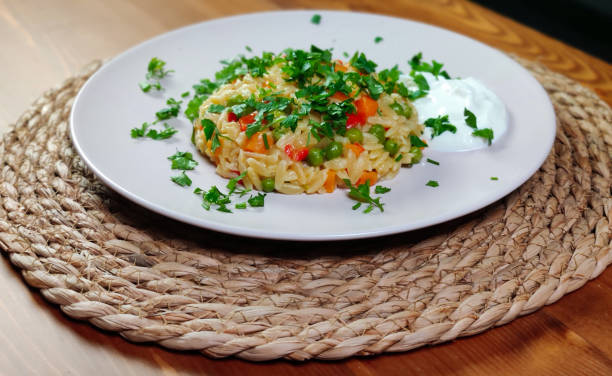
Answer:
[(362, 64), (211, 132), (155, 72), (215, 197), (248, 48), (182, 179), (316, 19), (257, 201), (182, 160), (434, 68), (378, 39), (154, 134), (216, 108), (494, 178), (432, 183), (440, 125), (486, 133), (433, 162), (380, 189), (202, 90), (169, 112), (470, 118), (185, 94), (415, 141), (423, 87), (362, 194), (399, 157)]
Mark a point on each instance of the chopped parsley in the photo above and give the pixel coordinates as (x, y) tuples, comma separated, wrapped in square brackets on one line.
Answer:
[(434, 68), (440, 125), (214, 198), (171, 111), (378, 39), (185, 94), (423, 87), (470, 120), (362, 64), (486, 133), (316, 19), (433, 162), (216, 108), (248, 48), (494, 178), (182, 179), (416, 141), (362, 194), (154, 134), (381, 190), (182, 160), (155, 72), (432, 183)]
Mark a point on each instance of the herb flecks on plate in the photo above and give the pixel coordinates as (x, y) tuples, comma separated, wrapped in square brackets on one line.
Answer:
[(214, 198), (155, 72), (472, 122), (362, 194)]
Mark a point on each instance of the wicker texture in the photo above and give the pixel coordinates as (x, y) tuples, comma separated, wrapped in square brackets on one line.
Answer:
[(124, 269)]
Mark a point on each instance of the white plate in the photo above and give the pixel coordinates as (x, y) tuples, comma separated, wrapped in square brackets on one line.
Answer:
[(111, 103)]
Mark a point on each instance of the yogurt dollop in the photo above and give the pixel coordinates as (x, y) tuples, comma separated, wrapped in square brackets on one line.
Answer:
[(451, 97)]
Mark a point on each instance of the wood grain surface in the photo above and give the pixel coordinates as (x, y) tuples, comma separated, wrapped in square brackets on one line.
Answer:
[(46, 41)]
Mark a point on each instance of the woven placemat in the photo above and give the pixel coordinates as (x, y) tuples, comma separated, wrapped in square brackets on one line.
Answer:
[(124, 269)]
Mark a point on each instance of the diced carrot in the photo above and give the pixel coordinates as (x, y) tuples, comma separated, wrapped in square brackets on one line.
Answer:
[(217, 150), (356, 148), (366, 106), (330, 181), (256, 143), (370, 176), (339, 96), (339, 66)]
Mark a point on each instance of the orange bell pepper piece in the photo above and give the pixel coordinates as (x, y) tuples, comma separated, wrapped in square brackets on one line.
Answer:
[(356, 148), (370, 176), (330, 181), (256, 143)]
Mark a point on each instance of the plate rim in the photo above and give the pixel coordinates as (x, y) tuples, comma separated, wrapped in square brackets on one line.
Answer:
[(241, 231)]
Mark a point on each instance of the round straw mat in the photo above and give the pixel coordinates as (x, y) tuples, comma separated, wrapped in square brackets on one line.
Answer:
[(124, 269)]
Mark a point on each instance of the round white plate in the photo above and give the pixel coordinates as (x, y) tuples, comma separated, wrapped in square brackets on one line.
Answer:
[(111, 103)]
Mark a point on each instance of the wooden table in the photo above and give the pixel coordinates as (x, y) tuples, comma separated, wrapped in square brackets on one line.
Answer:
[(44, 42)]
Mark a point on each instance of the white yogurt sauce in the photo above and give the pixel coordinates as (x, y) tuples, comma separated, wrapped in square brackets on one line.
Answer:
[(451, 97)]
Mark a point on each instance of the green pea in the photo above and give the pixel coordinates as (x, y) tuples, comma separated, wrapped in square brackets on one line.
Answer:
[(392, 147), (417, 154), (315, 157), (354, 135), (333, 150), (379, 132), (267, 184)]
